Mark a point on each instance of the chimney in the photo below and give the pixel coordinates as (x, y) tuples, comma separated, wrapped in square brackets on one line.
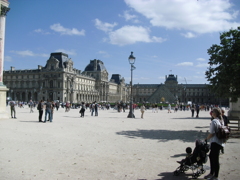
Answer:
[(12, 68)]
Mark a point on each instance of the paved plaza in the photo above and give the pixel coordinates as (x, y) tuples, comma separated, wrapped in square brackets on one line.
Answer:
[(108, 147)]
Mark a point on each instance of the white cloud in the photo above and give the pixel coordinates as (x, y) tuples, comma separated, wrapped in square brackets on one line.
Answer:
[(8, 58), (185, 64), (41, 31), (132, 34), (143, 78), (29, 53), (201, 59), (202, 65), (202, 16), (24, 53), (199, 77), (188, 35), (127, 16), (65, 31), (105, 54), (161, 77), (106, 27), (69, 52)]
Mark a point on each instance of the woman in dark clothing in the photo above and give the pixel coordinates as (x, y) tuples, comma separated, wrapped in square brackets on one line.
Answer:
[(225, 119), (216, 144), (82, 109)]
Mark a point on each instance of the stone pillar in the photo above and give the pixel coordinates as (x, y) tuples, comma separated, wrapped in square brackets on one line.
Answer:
[(3, 89), (234, 111)]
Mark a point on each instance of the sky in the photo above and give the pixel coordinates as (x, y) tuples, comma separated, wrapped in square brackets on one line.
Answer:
[(165, 36)]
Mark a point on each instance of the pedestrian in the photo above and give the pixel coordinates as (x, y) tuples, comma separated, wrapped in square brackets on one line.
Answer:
[(48, 111), (169, 108), (12, 108), (52, 108), (92, 108), (197, 110), (176, 108), (215, 144), (192, 109), (31, 106), (57, 105), (156, 108), (225, 118), (96, 109), (142, 108), (82, 109), (40, 110)]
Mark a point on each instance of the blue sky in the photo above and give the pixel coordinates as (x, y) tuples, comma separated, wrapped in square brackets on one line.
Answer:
[(166, 36)]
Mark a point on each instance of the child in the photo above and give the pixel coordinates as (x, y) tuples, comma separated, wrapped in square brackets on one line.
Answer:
[(187, 160)]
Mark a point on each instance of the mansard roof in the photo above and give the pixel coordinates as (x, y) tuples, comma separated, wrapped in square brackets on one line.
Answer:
[(61, 57), (95, 65)]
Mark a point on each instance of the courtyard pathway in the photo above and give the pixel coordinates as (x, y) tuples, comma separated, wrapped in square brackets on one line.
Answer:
[(108, 147)]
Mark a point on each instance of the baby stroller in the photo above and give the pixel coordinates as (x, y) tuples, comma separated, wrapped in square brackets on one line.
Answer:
[(195, 160)]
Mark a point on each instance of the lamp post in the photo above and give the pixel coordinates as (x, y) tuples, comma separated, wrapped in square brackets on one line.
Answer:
[(131, 60)]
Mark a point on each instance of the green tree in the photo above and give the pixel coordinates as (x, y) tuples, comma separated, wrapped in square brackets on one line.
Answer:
[(224, 65)]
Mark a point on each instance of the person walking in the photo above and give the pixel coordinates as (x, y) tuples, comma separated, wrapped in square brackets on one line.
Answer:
[(82, 111), (31, 106), (52, 108), (197, 108), (48, 111), (57, 105), (156, 108), (142, 108), (215, 144), (96, 109), (192, 109), (92, 108), (40, 110), (12, 108), (169, 108)]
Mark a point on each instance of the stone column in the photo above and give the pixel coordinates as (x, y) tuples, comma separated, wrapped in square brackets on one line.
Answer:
[(3, 89)]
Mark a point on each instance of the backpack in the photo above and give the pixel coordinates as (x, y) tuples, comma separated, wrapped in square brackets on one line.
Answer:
[(223, 133), (11, 104)]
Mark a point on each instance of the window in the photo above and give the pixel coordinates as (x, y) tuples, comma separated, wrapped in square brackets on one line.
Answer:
[(51, 84)]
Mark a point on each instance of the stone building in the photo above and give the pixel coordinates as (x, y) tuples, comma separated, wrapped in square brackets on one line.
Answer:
[(59, 80), (173, 92)]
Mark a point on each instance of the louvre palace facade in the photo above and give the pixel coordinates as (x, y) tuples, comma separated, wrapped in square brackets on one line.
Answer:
[(59, 80), (172, 92)]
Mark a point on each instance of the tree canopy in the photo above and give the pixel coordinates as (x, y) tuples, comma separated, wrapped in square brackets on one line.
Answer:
[(223, 72)]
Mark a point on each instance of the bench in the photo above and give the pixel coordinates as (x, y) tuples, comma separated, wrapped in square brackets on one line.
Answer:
[(234, 123)]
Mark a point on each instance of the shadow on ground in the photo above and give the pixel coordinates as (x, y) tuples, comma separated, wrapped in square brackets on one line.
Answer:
[(165, 135), (170, 176), (185, 118)]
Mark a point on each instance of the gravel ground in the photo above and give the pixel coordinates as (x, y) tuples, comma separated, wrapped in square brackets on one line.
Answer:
[(108, 147)]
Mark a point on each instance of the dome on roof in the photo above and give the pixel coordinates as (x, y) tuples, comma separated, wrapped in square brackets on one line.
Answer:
[(95, 65), (171, 78)]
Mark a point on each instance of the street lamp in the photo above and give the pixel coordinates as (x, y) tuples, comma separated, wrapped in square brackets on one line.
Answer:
[(131, 60)]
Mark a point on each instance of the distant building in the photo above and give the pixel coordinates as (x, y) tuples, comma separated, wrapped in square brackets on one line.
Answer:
[(59, 80), (172, 92)]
